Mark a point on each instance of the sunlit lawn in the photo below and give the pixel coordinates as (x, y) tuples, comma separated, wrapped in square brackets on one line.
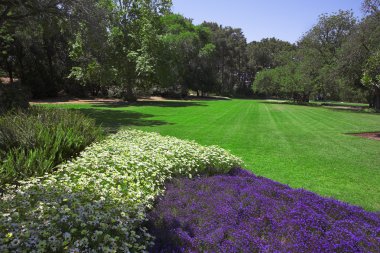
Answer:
[(300, 146)]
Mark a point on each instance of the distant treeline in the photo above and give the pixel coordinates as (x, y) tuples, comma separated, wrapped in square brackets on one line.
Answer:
[(125, 48), (337, 59)]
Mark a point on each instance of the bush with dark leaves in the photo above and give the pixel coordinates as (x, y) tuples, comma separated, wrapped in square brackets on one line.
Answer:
[(34, 141), (13, 96)]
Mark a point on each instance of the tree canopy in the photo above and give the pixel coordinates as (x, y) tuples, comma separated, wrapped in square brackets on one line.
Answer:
[(126, 48)]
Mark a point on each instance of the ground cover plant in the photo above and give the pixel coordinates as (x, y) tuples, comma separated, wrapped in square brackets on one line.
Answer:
[(34, 141), (98, 202), (301, 146), (241, 212)]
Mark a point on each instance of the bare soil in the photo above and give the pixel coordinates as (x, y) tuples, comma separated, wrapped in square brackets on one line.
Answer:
[(372, 136), (76, 101), (7, 80), (70, 100)]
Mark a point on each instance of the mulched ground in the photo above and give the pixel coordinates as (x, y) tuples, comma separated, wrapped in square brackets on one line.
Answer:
[(372, 136)]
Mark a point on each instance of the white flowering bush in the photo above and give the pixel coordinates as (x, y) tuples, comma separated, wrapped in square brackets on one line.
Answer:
[(98, 202)]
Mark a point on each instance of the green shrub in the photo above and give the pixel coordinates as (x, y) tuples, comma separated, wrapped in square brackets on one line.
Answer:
[(34, 141), (13, 96), (98, 202)]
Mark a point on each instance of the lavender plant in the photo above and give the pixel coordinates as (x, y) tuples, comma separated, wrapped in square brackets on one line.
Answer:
[(241, 212)]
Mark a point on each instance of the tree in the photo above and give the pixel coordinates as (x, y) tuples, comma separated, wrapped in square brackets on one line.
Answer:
[(321, 44), (230, 59), (290, 80), (126, 50), (188, 56), (264, 54), (371, 6), (267, 83), (35, 36), (371, 77), (363, 43)]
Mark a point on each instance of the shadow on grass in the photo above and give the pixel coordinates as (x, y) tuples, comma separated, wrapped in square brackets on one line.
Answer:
[(331, 106), (354, 110), (212, 98), (150, 103), (112, 120), (273, 102)]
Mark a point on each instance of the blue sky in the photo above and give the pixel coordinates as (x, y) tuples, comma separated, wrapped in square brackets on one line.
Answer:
[(283, 19)]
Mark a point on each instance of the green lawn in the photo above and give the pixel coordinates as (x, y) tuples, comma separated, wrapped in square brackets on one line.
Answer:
[(304, 147)]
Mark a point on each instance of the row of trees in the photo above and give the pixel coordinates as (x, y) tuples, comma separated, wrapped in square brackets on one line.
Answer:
[(338, 59), (62, 44), (128, 45), (125, 47)]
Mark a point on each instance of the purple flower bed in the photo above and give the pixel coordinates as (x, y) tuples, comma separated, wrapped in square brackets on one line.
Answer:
[(241, 212)]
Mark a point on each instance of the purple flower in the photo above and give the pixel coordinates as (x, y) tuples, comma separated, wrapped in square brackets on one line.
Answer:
[(241, 212)]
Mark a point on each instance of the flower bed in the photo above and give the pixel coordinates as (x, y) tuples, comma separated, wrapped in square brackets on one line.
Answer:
[(98, 202), (244, 213)]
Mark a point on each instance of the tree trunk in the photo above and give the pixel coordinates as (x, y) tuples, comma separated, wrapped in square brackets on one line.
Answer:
[(10, 71), (306, 98), (376, 99), (130, 96), (222, 85), (19, 60)]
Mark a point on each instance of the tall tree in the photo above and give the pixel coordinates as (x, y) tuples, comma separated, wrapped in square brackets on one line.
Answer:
[(126, 51), (362, 44), (230, 58), (326, 38)]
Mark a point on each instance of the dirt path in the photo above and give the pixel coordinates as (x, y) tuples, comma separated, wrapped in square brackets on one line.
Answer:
[(372, 136), (90, 100), (115, 101)]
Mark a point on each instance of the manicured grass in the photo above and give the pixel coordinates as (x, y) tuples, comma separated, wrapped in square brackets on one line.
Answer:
[(302, 146)]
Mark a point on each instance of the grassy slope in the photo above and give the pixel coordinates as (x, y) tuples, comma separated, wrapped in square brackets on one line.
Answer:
[(297, 145)]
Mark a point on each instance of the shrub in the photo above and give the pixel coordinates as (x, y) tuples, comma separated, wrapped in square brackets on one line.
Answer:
[(13, 96), (98, 201), (34, 141), (244, 213)]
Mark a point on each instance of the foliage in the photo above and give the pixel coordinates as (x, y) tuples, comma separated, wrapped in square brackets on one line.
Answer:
[(287, 81), (355, 52), (241, 212), (230, 60), (308, 69), (328, 62), (188, 56), (371, 6), (371, 77), (126, 48), (267, 82), (98, 201), (13, 96), (264, 54), (36, 46), (34, 141), (95, 47)]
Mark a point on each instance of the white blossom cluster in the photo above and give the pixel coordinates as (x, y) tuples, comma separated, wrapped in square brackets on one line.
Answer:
[(98, 202)]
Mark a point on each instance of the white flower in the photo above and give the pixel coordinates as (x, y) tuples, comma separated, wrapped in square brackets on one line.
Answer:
[(106, 190), (15, 242)]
